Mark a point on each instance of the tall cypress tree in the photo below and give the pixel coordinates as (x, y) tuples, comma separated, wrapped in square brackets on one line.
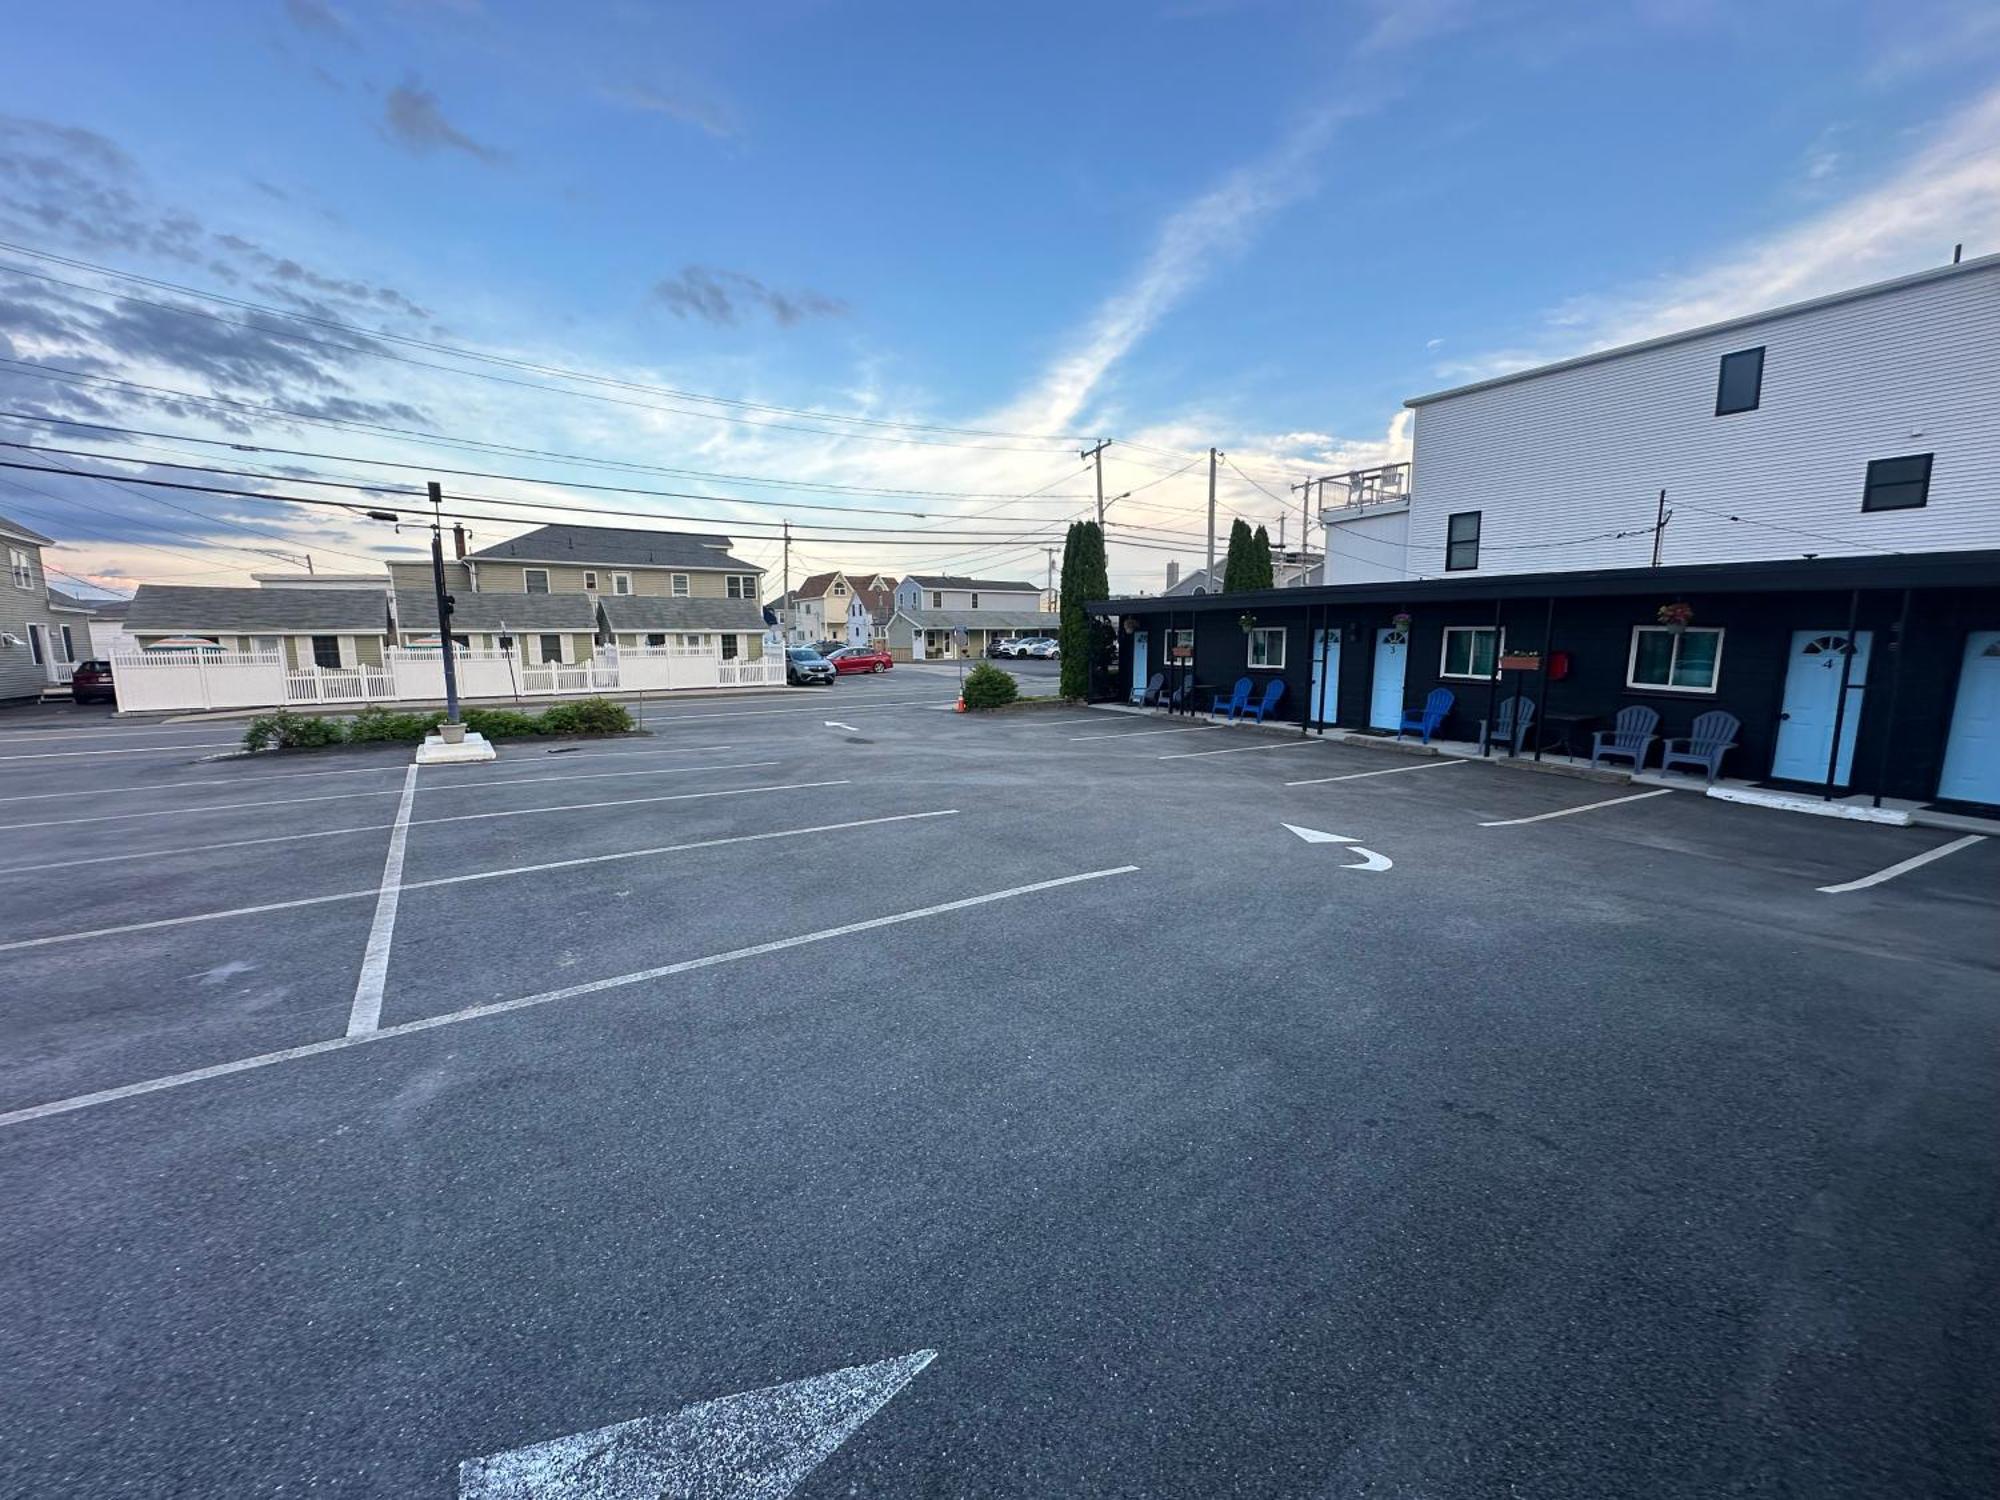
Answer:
[(1075, 625), (1257, 573), (1233, 563), (1093, 578)]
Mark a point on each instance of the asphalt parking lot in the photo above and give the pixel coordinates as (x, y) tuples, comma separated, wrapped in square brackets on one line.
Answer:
[(1186, 1110)]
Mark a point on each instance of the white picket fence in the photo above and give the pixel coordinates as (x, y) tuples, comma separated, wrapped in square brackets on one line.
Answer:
[(153, 681)]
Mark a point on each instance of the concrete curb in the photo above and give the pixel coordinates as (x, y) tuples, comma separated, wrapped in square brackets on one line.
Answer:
[(1791, 802)]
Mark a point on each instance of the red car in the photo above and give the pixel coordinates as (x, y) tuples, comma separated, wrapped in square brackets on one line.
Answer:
[(91, 683), (860, 659)]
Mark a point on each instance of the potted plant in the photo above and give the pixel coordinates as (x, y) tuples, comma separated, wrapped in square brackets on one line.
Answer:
[(1248, 622), (1676, 617), (1400, 622)]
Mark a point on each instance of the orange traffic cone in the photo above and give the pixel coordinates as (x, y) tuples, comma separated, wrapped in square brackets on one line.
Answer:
[(961, 703)]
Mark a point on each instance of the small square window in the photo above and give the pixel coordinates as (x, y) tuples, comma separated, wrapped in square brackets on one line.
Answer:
[(590, 583), (1740, 384), (1897, 483), (677, 585), (1267, 648), (534, 580), (621, 583), (1461, 541), (326, 651), (1469, 651), (1674, 661)]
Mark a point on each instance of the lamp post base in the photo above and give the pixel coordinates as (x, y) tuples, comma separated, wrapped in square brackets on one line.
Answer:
[(436, 750)]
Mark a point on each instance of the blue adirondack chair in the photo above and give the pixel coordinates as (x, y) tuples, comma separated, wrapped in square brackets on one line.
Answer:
[(1629, 738), (1516, 714), (1273, 691), (1713, 737), (1154, 685), (1427, 718), (1236, 702)]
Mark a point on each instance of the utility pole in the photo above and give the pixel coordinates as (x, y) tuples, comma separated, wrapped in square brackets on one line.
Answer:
[(1212, 456), (1305, 524), (785, 600), (444, 607), (1098, 454), (309, 565), (1051, 591)]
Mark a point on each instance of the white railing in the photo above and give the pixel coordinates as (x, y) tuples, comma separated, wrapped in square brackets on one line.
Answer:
[(162, 680), (61, 671)]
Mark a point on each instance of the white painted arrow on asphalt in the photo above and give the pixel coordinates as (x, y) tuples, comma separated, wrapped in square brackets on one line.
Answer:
[(1314, 836), (755, 1446), (1370, 860), (834, 724)]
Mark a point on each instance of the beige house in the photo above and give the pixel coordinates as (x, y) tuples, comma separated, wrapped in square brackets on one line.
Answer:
[(838, 606), (540, 594)]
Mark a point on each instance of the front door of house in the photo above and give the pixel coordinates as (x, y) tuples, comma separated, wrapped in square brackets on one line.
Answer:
[(1972, 753), (1139, 666), (1812, 703), (1326, 676), (1385, 699)]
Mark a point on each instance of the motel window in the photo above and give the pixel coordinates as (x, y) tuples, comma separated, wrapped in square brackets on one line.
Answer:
[(534, 580), (552, 650), (326, 650), (589, 583), (1469, 651), (1461, 541), (1897, 483), (1670, 661), (1267, 648), (621, 583), (1740, 384), (677, 585)]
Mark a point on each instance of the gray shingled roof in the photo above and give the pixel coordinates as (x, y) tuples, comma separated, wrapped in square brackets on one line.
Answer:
[(27, 534), (636, 612), (992, 585), (618, 547), (416, 611), (1030, 621), (59, 600), (163, 606)]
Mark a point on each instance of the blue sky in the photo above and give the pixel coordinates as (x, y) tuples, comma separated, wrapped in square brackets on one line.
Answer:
[(1256, 223)]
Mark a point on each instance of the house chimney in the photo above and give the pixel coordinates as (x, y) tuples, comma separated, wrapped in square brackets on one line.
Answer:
[(1173, 573), (458, 540)]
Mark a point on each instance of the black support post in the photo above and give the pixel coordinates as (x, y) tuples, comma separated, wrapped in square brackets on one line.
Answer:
[(1898, 647), (1492, 687), (1542, 677)]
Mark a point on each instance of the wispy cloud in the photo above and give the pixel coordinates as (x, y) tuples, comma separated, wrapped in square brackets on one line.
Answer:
[(413, 120), (318, 19), (1947, 192), (677, 104), (724, 298)]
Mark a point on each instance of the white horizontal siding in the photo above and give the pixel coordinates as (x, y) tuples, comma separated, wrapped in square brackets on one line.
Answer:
[(1568, 455)]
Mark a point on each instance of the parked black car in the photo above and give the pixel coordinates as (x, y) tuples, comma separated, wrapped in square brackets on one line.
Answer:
[(805, 666), (91, 683)]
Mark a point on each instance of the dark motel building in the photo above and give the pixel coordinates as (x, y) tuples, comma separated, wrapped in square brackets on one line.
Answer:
[(1792, 518)]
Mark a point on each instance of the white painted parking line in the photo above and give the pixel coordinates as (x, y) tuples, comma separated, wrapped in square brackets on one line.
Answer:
[(527, 1002), (146, 750), (447, 786), (443, 880), (367, 1008), (1422, 765), (1904, 866), (74, 736), (1241, 749), (1140, 734), (771, 713), (512, 812), (1570, 812)]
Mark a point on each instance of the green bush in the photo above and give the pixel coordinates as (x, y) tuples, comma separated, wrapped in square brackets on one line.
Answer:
[(377, 725), (500, 723), (986, 686), (599, 716), (558, 718), (285, 730)]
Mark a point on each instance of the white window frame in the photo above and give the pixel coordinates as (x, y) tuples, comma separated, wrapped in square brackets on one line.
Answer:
[(741, 586), (590, 580), (541, 639), (839, 589), (621, 583), (527, 573), (1266, 666), (937, 599), (677, 585), (22, 567), (1673, 657), (1444, 652), (1173, 640)]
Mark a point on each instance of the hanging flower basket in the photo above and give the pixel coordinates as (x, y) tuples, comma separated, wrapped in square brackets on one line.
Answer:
[(1676, 617), (1248, 622), (1400, 621)]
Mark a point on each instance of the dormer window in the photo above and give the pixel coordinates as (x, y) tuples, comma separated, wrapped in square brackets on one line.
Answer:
[(839, 589)]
